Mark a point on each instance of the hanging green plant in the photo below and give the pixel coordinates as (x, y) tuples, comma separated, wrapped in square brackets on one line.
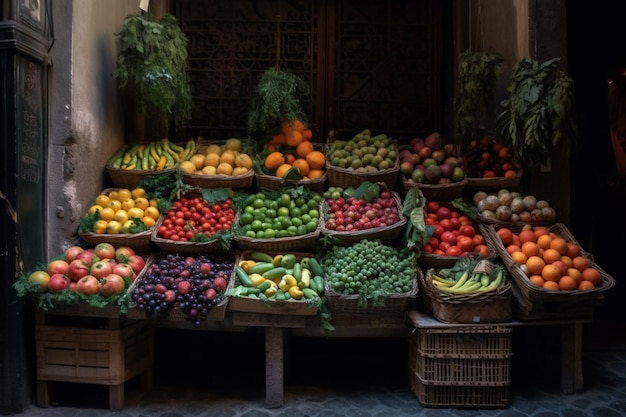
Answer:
[(277, 98), (152, 66), (538, 116), (474, 96)]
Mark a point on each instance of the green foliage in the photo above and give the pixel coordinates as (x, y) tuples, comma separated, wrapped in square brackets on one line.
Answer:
[(415, 232), (152, 65), (538, 117), (277, 98), (473, 101), (166, 187)]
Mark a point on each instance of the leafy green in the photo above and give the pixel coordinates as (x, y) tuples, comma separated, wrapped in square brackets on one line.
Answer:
[(166, 187), (367, 191), (415, 233), (152, 65), (538, 115)]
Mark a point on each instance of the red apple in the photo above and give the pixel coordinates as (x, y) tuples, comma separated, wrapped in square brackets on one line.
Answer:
[(71, 252), (58, 266), (122, 253), (77, 270), (137, 263), (87, 256), (72, 286), (112, 284), (88, 285), (124, 270), (101, 268), (104, 250), (58, 283)]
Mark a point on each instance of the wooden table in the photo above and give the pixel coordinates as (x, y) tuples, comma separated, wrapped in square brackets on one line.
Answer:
[(571, 342)]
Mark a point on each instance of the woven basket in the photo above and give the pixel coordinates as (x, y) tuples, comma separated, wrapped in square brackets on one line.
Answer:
[(302, 243), (481, 307), (130, 178), (217, 312), (140, 242), (272, 182), (564, 303), (348, 177), (395, 304), (218, 181), (495, 183), (386, 234), (438, 192)]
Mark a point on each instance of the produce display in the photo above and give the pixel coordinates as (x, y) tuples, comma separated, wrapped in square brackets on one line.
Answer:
[(453, 233), (364, 152), (280, 277), (197, 217), (370, 269), (228, 158), (469, 276), (429, 161), (152, 156), (121, 211), (286, 212), (511, 206), (548, 260), (364, 208), (486, 158)]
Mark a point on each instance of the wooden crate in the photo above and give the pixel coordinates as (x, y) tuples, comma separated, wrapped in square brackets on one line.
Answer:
[(92, 355)]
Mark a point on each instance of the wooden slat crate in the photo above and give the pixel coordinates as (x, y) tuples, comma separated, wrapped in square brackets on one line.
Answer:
[(94, 356)]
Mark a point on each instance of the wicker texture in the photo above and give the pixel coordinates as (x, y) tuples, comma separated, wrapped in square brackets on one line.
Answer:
[(495, 183), (481, 307), (130, 178), (350, 303), (551, 303), (304, 242), (386, 234), (140, 242), (272, 182)]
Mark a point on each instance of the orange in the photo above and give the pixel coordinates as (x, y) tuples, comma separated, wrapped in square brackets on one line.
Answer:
[(282, 170), (315, 173), (297, 125), (581, 263), (482, 250), (530, 248), (519, 257), (316, 159), (540, 231), (274, 160), (527, 236), (278, 139), (559, 244), (307, 134), (152, 212), (506, 235), (535, 265), (103, 200), (567, 283), (289, 158), (585, 285), (551, 285), (551, 255), (302, 166), (537, 280), (551, 272), (294, 138), (123, 194), (513, 248), (573, 250), (592, 275), (148, 221), (107, 214), (304, 148), (544, 241)]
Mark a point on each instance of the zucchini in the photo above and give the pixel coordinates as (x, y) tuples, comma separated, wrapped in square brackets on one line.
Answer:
[(243, 277), (319, 283), (297, 272), (275, 273), (260, 267), (264, 286), (315, 267), (288, 261), (261, 257), (309, 293)]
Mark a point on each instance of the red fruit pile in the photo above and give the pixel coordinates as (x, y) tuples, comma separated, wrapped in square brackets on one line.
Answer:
[(351, 213), (486, 158)]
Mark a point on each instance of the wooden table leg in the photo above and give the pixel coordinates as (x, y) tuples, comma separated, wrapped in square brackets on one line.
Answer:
[(116, 397), (571, 358), (274, 366)]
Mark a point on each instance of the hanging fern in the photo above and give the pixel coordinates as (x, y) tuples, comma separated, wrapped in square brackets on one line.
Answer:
[(473, 101), (538, 115)]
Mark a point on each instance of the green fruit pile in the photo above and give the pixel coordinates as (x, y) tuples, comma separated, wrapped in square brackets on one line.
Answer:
[(268, 215), (364, 152)]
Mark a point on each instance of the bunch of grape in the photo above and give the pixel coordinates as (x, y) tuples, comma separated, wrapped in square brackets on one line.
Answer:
[(194, 284)]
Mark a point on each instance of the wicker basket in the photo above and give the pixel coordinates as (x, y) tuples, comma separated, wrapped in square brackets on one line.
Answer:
[(140, 242), (272, 182), (301, 243), (386, 234), (348, 177), (495, 183), (538, 303), (130, 178), (438, 192), (394, 304), (218, 181), (481, 307)]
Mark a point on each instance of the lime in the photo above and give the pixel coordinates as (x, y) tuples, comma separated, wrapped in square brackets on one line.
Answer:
[(266, 225), (270, 213), (256, 225), (245, 218), (260, 234), (269, 233), (300, 201), (301, 230), (277, 225), (248, 209), (282, 233), (306, 218), (312, 204), (259, 215), (311, 226), (251, 234), (292, 231), (285, 221), (258, 203), (273, 205), (295, 212), (284, 200), (283, 212), (297, 221), (314, 213)]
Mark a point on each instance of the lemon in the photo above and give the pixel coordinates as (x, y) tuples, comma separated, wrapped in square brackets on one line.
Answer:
[(243, 160), (100, 227), (198, 161), (229, 157), (127, 225), (93, 208), (213, 149), (212, 160), (107, 214), (136, 212), (123, 194), (115, 205), (114, 227), (148, 221), (121, 216), (209, 170), (138, 192), (103, 200), (233, 144), (128, 204), (188, 167), (239, 171), (152, 212), (142, 203), (225, 168)]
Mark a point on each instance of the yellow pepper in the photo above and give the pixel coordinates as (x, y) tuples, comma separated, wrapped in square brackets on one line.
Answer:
[(257, 279), (295, 292), (246, 265)]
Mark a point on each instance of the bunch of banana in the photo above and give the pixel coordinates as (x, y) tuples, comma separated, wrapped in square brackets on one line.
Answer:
[(469, 278), (152, 156)]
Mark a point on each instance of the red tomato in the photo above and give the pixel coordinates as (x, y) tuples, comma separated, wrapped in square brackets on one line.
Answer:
[(438, 230), (432, 206), (449, 237), (453, 251), (443, 213), (446, 224), (443, 246), (465, 243), (478, 239), (467, 230)]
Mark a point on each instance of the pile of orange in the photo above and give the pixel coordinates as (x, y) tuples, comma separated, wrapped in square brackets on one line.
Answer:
[(549, 260), (292, 147)]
